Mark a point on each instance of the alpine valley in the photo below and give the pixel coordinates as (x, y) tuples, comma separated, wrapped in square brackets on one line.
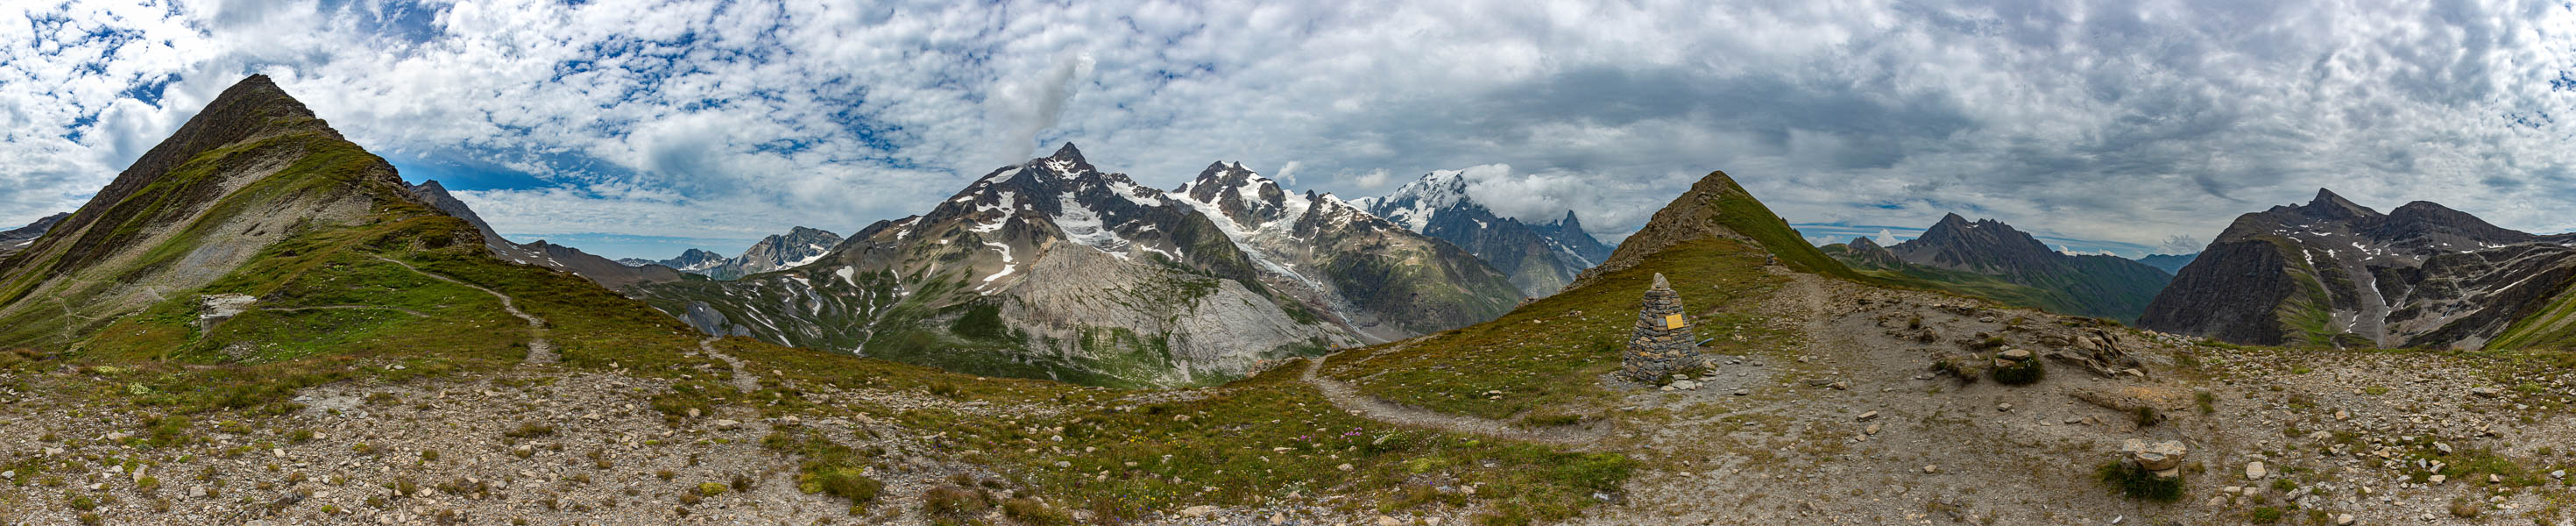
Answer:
[(1989, 259)]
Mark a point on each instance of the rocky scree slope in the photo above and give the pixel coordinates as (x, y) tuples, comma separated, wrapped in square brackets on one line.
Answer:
[(2334, 273), (1054, 269), (1540, 258), (1992, 260)]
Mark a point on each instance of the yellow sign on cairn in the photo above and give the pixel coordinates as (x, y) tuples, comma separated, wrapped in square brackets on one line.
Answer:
[(1674, 321)]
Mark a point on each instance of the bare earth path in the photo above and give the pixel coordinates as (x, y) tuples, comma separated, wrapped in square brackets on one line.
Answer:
[(742, 379), (540, 350), (1348, 399)]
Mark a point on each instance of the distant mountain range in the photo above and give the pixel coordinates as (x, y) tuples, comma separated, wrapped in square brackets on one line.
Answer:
[(1990, 259), (1054, 269), (607, 273), (18, 238), (796, 248), (2335, 273), (2170, 263), (1540, 258)]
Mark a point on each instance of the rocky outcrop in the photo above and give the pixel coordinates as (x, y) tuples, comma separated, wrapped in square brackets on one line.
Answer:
[(2335, 273)]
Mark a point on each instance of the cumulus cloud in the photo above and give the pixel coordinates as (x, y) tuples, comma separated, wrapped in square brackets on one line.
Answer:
[(2122, 121), (2179, 244), (1288, 172)]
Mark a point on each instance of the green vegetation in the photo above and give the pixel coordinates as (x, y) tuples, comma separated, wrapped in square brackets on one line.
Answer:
[(2023, 372), (2138, 483), (1261, 438), (829, 468), (1737, 210), (1578, 333)]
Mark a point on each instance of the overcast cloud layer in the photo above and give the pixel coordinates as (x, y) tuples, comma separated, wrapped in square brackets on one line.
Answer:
[(700, 122)]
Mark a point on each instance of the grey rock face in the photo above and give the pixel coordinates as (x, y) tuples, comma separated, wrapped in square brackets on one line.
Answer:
[(2331, 272)]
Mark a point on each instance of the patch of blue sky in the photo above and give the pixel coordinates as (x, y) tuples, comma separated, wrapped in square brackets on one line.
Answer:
[(616, 246), (460, 170)]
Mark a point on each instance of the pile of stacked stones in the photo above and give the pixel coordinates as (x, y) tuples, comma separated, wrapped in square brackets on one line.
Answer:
[(1662, 343), (2164, 459)]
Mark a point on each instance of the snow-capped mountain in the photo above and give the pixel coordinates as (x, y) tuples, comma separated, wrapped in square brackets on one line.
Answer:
[(2332, 272), (695, 261), (796, 248), (1540, 258), (1053, 268), (1319, 245)]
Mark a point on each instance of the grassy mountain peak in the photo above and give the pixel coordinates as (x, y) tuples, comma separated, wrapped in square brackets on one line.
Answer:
[(1718, 207)]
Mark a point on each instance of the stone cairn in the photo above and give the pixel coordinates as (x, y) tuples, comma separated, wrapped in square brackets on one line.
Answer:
[(1662, 343), (2163, 459)]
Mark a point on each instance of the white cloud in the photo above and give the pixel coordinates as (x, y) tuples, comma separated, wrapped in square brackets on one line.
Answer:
[(1288, 173), (2111, 120), (1885, 237)]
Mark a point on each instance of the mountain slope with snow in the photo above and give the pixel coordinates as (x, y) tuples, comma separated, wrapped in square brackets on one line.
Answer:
[(1539, 258), (1047, 269), (2335, 273), (1381, 279)]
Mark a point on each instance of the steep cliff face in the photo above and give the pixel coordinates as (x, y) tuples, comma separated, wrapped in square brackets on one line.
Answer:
[(2331, 272)]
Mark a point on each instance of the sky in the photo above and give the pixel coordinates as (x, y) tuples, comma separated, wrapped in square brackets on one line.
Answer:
[(642, 127)]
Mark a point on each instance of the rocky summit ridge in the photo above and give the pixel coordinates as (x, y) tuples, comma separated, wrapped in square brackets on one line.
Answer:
[(2332, 272)]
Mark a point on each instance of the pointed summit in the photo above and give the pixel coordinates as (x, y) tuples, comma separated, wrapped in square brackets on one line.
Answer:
[(1067, 153), (1717, 207), (2331, 206)]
